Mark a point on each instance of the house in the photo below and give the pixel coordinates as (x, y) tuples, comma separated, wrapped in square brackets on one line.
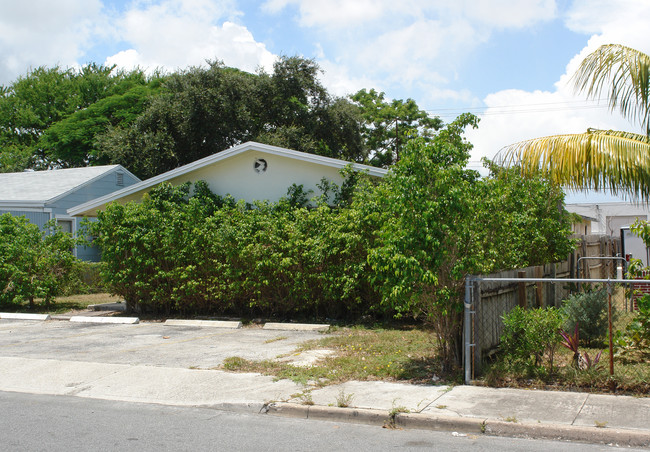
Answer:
[(608, 218), (45, 195), (250, 171), (614, 219)]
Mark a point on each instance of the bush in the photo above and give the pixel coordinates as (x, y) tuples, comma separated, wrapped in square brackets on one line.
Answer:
[(589, 311), (33, 263), (529, 336), (176, 253)]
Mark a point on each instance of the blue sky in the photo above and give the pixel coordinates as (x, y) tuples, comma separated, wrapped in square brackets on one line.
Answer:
[(506, 60)]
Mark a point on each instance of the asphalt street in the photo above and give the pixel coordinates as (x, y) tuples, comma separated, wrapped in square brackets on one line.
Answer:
[(63, 423)]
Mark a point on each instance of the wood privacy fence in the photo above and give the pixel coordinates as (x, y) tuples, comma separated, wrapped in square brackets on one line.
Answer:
[(492, 300)]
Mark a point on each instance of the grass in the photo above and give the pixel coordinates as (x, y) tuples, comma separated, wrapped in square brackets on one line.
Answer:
[(62, 304), (361, 354)]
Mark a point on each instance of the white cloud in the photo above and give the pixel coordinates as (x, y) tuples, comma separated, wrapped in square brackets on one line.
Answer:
[(410, 45), (563, 111), (506, 13), (176, 34), (338, 14), (45, 33)]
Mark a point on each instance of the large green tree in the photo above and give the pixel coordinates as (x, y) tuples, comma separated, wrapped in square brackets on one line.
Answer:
[(43, 98), (205, 110), (600, 159), (74, 140), (438, 221), (389, 125)]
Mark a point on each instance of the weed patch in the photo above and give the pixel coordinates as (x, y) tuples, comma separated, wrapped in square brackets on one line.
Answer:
[(362, 354)]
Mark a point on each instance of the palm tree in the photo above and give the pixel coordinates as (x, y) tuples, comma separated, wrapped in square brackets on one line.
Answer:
[(599, 159)]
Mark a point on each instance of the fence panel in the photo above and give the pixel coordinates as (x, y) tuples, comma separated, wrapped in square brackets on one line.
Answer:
[(624, 353)]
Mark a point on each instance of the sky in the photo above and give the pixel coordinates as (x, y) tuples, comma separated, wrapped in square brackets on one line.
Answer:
[(508, 61)]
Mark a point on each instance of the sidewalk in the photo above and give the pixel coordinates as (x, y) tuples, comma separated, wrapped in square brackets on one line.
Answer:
[(608, 419), (597, 418)]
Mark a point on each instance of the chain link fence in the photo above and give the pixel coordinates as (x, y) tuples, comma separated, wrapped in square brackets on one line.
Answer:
[(611, 350)]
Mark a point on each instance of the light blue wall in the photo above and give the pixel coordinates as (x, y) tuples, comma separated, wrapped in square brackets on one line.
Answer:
[(37, 218)]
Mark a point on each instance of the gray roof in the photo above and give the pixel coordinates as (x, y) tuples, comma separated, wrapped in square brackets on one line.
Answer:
[(43, 186)]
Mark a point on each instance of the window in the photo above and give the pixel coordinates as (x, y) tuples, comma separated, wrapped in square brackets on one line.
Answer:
[(65, 225)]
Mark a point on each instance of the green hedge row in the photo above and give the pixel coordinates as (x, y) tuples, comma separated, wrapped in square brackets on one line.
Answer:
[(189, 254)]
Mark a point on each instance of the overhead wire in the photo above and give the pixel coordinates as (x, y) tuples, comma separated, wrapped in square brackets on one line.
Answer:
[(541, 107)]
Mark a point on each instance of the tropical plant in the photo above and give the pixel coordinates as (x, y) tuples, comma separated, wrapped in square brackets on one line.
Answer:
[(589, 310), (581, 361), (599, 159)]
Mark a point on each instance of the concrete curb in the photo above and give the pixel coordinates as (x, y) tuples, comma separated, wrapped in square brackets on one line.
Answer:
[(21, 316), (204, 323), (238, 407), (122, 320), (295, 326), (619, 437), (420, 421), (326, 413), (121, 307)]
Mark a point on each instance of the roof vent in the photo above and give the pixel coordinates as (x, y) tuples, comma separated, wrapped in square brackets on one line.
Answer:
[(119, 179), (260, 165)]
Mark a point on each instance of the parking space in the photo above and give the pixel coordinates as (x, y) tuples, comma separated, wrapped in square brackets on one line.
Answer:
[(150, 344)]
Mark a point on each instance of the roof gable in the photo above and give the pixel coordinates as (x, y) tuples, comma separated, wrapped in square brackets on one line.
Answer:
[(220, 158)]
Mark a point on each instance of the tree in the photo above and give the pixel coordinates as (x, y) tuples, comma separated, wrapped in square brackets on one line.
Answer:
[(600, 159), (33, 263), (205, 110), (387, 126), (521, 221), (438, 221), (49, 117), (425, 239), (73, 141)]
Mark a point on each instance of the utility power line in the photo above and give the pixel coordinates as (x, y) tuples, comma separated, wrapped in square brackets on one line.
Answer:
[(542, 107)]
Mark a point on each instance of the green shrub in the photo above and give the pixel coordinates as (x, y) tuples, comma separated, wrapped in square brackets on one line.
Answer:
[(529, 337), (34, 263), (183, 253), (589, 311)]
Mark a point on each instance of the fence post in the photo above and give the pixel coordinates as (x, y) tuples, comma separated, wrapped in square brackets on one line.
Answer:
[(609, 321), (522, 290), (467, 328), (539, 273)]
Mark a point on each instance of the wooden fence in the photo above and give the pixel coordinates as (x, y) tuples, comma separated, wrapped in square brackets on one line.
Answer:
[(492, 300)]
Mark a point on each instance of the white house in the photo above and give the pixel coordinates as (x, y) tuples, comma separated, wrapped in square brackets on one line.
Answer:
[(609, 217), (46, 195), (250, 171)]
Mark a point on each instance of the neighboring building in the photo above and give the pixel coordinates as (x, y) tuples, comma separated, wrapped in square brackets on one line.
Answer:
[(608, 218), (613, 219), (45, 195), (250, 171)]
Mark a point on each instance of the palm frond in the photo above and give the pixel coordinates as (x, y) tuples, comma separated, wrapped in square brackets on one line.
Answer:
[(598, 159), (627, 72)]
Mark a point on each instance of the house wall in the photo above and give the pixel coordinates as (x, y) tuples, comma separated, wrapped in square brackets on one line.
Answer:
[(35, 217), (610, 217), (237, 176)]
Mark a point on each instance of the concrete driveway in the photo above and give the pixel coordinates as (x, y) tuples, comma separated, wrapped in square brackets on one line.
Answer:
[(146, 343)]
